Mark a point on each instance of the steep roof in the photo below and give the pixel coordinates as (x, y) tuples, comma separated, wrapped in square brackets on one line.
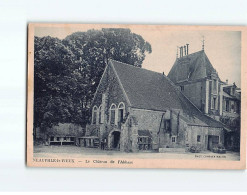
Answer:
[(191, 67), (150, 90)]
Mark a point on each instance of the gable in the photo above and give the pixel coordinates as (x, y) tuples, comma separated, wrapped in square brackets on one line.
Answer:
[(109, 85), (191, 67)]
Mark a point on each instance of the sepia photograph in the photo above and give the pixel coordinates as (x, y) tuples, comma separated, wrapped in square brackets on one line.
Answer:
[(135, 96), (123, 96)]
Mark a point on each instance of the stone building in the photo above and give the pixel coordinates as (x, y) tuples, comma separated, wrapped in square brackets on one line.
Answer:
[(60, 134), (200, 83), (137, 109)]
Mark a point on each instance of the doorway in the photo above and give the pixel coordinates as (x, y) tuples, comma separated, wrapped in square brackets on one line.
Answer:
[(213, 141), (116, 140)]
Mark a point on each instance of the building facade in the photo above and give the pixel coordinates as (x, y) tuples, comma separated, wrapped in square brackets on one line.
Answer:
[(200, 83), (136, 109)]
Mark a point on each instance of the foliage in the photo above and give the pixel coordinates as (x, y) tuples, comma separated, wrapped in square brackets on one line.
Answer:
[(195, 149), (219, 149), (234, 123), (67, 72)]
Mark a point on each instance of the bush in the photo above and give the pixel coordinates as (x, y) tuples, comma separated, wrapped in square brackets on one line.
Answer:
[(219, 149), (194, 149)]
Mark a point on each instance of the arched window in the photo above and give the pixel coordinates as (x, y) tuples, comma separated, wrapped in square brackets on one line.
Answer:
[(94, 114), (100, 114), (121, 112), (112, 113)]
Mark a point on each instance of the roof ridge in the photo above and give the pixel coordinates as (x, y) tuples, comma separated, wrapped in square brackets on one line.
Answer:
[(131, 65), (124, 63), (201, 51)]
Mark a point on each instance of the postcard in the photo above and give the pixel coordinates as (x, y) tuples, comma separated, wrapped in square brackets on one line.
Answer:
[(136, 96)]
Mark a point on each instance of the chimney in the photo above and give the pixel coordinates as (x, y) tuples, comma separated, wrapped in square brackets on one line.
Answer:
[(185, 50), (182, 54), (226, 81), (187, 45)]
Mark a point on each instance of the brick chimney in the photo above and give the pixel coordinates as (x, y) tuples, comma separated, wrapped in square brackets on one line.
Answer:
[(185, 51), (187, 45)]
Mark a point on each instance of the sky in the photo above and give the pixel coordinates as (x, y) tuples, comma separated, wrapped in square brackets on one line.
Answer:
[(222, 47)]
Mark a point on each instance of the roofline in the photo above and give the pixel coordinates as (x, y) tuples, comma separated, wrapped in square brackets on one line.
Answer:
[(190, 124), (121, 85), (154, 110)]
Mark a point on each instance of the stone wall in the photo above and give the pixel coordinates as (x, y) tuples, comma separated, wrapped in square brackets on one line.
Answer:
[(151, 120), (109, 86), (191, 137), (195, 92), (193, 131)]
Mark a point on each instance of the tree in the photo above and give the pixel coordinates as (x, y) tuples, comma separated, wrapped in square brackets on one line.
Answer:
[(67, 72)]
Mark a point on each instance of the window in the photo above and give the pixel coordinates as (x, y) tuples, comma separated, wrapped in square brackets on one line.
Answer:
[(227, 105), (52, 139), (167, 125), (58, 139), (198, 138), (182, 88), (214, 85), (186, 136), (94, 115), (121, 113), (233, 107), (112, 113), (72, 139), (100, 114), (215, 140), (65, 138), (173, 139), (213, 103)]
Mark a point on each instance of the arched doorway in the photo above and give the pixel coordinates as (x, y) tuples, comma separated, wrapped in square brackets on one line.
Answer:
[(115, 140)]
